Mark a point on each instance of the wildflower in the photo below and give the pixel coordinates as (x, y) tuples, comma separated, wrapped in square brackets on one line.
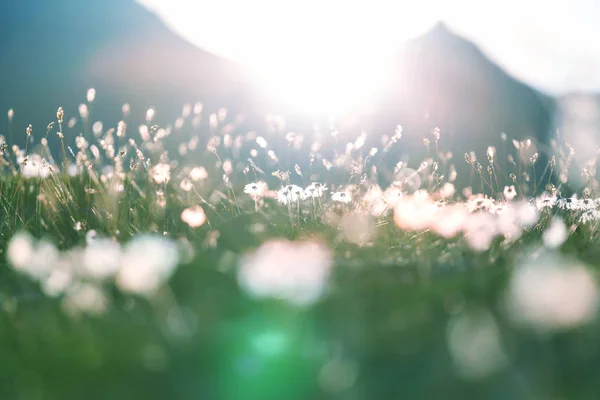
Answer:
[(161, 173), (479, 203), (392, 195), (556, 234), (342, 197), (301, 280), (57, 282), (498, 208), (415, 213), (198, 173), (314, 190), (34, 166), (91, 95), (194, 216), (589, 216), (480, 230), (290, 194), (146, 263), (545, 201), (568, 203), (447, 190), (33, 258), (509, 192), (256, 190), (527, 213), (552, 294), (375, 201), (584, 204), (186, 185), (449, 221), (101, 258)]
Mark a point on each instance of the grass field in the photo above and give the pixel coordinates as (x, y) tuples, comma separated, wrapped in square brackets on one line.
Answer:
[(195, 261)]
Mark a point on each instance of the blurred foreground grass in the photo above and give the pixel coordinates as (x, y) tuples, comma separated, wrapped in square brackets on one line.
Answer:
[(397, 314)]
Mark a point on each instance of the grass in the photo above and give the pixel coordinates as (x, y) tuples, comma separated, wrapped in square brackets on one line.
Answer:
[(408, 309)]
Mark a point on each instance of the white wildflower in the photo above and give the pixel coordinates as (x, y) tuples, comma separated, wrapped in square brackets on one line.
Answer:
[(545, 201), (509, 192), (583, 204), (147, 262), (480, 203), (567, 203), (57, 282), (101, 258), (415, 212), (392, 195), (552, 294), (161, 173), (186, 185), (342, 197), (290, 194), (32, 257), (314, 190), (480, 229), (194, 216), (589, 216), (449, 221), (198, 173), (256, 190), (556, 234), (300, 280)]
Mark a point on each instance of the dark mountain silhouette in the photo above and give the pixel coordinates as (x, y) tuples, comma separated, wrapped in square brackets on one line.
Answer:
[(51, 52), (443, 80)]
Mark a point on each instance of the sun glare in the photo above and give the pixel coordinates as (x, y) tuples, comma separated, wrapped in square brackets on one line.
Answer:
[(313, 56), (330, 80)]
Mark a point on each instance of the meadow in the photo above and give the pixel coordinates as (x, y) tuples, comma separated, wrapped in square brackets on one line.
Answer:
[(202, 260)]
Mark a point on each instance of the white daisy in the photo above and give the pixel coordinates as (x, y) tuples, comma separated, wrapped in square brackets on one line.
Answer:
[(314, 190), (290, 194), (256, 189), (342, 197), (509, 192), (545, 201), (556, 234)]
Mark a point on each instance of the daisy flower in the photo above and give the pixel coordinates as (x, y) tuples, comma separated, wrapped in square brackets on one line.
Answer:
[(256, 189), (545, 200), (509, 192), (342, 197), (314, 190), (290, 194)]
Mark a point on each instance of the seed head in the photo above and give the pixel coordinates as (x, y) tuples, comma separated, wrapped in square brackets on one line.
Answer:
[(60, 114)]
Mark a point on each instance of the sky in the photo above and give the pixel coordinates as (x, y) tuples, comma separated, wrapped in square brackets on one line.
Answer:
[(549, 44)]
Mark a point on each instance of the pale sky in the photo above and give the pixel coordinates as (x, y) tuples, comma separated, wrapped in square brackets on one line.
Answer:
[(550, 44)]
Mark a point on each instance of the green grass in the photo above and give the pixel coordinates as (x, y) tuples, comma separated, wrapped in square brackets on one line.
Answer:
[(381, 330)]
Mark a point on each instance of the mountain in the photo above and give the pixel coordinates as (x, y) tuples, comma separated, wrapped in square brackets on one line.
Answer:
[(51, 52), (443, 80)]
